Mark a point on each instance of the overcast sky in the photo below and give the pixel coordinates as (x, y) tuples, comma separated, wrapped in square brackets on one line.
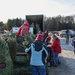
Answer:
[(10, 9)]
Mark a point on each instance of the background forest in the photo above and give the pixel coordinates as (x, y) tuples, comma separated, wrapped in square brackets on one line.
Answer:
[(50, 23)]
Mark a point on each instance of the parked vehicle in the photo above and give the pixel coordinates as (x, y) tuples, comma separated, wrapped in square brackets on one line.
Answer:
[(71, 33), (62, 33)]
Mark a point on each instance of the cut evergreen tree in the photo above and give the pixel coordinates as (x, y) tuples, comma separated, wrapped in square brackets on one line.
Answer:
[(5, 59)]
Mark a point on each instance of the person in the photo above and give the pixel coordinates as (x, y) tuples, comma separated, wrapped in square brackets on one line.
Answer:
[(58, 33), (45, 35), (56, 50), (67, 36), (23, 28), (73, 43), (49, 49), (47, 40), (39, 53), (39, 32)]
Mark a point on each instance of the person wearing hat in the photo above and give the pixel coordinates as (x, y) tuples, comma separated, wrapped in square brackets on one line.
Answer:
[(38, 55)]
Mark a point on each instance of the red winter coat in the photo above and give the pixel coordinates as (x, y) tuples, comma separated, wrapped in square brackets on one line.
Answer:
[(56, 46), (21, 30)]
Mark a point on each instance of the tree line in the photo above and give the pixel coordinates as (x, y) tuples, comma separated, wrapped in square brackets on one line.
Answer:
[(60, 23), (51, 23)]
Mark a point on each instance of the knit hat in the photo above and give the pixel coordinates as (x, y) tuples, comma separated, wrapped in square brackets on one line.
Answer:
[(39, 37), (26, 23)]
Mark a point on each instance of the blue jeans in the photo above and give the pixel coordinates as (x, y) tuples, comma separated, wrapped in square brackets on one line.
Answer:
[(38, 70), (56, 58)]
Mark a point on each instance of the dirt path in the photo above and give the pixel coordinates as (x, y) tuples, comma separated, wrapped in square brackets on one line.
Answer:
[(67, 58)]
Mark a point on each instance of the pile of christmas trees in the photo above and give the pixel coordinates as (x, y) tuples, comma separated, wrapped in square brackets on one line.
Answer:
[(10, 64), (22, 66), (6, 65)]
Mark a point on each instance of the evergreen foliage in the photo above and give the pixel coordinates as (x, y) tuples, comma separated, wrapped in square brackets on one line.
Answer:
[(5, 58)]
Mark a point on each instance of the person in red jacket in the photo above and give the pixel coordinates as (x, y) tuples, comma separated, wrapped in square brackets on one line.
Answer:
[(56, 49), (23, 27)]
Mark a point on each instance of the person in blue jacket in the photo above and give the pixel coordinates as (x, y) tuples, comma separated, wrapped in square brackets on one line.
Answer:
[(73, 43), (38, 55)]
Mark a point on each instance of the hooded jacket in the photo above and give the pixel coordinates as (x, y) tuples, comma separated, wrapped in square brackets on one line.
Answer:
[(56, 46), (38, 53)]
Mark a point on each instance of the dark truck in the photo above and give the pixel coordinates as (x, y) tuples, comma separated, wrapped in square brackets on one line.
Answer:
[(37, 21)]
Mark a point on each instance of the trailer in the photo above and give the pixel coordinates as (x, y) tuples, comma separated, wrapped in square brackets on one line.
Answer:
[(36, 21)]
